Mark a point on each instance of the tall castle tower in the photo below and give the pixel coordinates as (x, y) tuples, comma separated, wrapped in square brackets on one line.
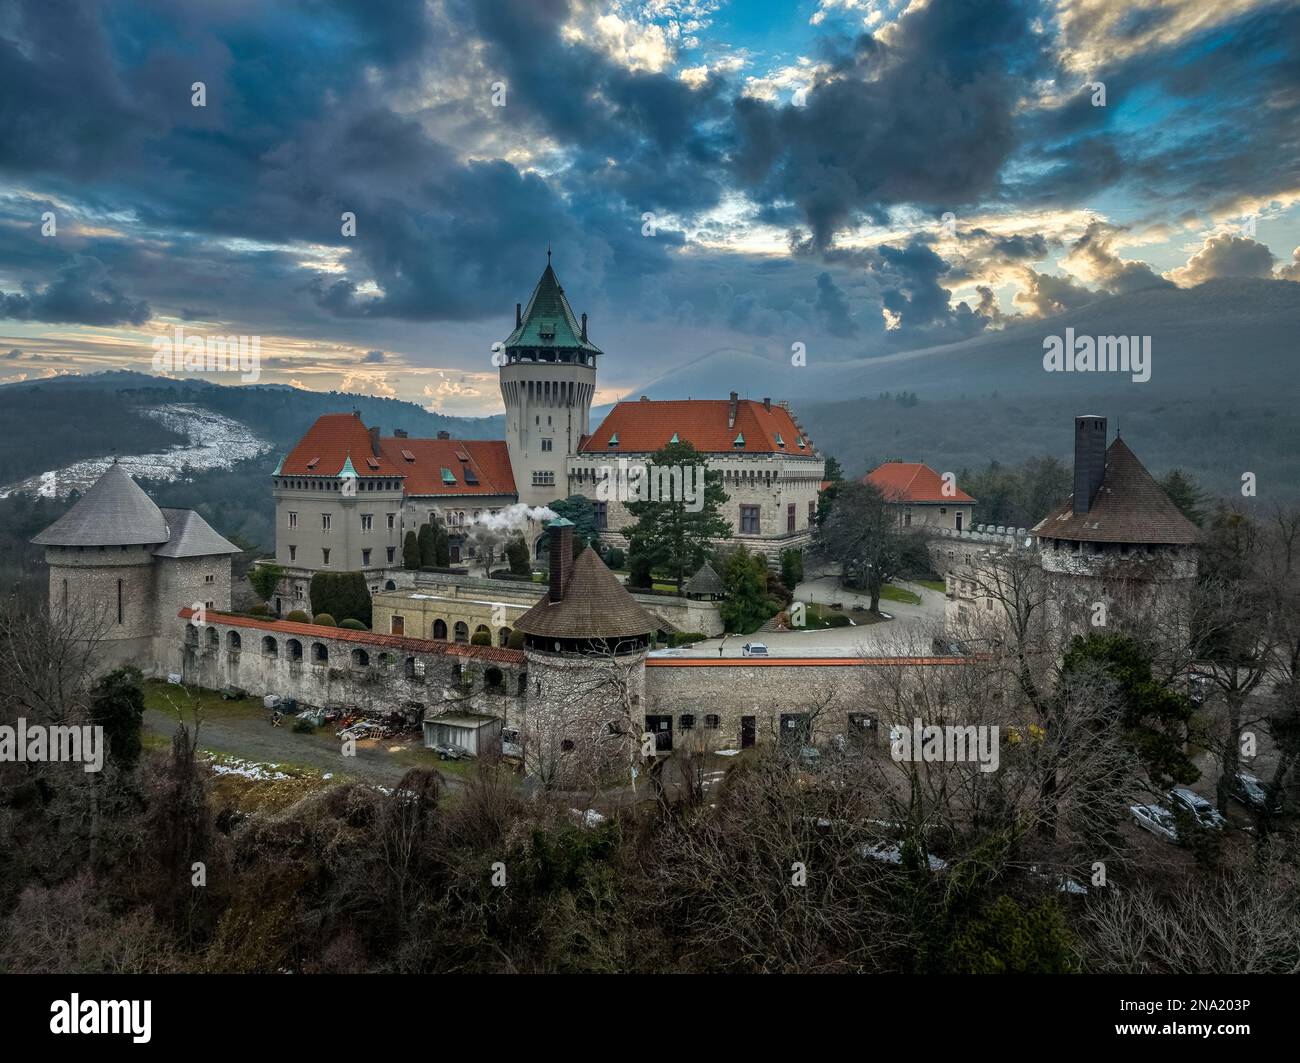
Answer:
[(548, 379)]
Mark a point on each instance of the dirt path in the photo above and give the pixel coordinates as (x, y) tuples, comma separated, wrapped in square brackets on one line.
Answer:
[(257, 740)]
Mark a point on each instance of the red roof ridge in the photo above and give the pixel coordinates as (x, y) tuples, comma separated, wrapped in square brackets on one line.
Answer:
[(343, 634), (801, 662)]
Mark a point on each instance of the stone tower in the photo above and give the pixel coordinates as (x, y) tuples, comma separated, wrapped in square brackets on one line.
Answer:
[(548, 379), (586, 643), (121, 569), (1117, 542)]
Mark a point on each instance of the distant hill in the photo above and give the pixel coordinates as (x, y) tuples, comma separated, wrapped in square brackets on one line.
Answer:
[(1221, 399)]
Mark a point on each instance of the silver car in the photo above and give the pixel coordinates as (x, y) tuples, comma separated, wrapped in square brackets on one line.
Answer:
[(1159, 821), (753, 649)]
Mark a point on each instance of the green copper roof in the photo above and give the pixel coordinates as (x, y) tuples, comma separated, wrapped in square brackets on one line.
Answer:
[(347, 469), (674, 439), (548, 319), (278, 466), (560, 522)]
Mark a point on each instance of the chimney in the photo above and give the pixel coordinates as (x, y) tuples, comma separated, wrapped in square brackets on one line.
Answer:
[(374, 440), (584, 328), (519, 314), (561, 542), (1089, 460), (399, 433), (731, 413), (767, 405), (443, 434)]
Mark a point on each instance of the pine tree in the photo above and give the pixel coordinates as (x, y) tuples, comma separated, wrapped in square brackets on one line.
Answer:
[(428, 552), (411, 551)]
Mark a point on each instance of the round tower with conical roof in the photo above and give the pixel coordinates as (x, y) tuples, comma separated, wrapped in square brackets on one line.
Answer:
[(548, 381), (586, 643)]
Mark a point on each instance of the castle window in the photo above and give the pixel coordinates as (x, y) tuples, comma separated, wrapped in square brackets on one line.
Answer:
[(602, 515), (293, 553), (325, 521), (391, 549), (233, 642), (365, 558), (687, 722), (293, 520), (712, 721), (392, 517), (546, 444), (367, 522), (749, 520), (209, 578), (319, 654), (325, 556)]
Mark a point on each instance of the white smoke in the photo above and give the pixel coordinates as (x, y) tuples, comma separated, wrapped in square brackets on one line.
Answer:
[(514, 518)]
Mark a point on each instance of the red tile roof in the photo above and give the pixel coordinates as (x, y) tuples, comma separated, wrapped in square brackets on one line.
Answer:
[(329, 443), (370, 638), (913, 481), (645, 426), (335, 437), (487, 459)]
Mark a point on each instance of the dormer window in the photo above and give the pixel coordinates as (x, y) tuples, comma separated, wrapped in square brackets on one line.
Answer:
[(312, 464), (799, 441), (408, 455), (373, 463), (613, 440), (739, 441), (674, 439), (779, 441), (448, 477)]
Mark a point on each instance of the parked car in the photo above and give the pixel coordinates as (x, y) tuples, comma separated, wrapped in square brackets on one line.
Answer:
[(233, 693), (446, 752), (1159, 821), (942, 646), (1200, 809), (1252, 793), (753, 649)]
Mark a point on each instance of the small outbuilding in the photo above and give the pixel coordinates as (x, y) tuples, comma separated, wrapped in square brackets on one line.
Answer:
[(705, 585), (474, 733)]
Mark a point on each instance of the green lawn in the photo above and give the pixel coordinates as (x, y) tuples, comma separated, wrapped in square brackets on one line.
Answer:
[(890, 593), (933, 585), (163, 696)]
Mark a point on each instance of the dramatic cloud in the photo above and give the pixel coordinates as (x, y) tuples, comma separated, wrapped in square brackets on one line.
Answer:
[(80, 292), (1093, 259), (1225, 255)]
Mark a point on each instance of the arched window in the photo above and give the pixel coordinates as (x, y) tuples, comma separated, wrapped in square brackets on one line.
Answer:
[(319, 653), (440, 629), (462, 631), (269, 647), (214, 638), (483, 629), (191, 635), (389, 585), (295, 650), (233, 641), (503, 637), (360, 659), (494, 679)]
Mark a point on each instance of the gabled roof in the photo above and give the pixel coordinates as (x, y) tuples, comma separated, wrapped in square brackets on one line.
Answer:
[(645, 426), (192, 536), (327, 446), (114, 511), (913, 481), (1130, 507), (487, 462), (548, 319), (595, 605)]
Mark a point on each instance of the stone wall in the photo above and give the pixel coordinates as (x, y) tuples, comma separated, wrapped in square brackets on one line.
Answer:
[(825, 690), (357, 670)]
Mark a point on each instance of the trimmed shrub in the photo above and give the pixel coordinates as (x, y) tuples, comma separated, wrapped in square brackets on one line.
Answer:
[(517, 555), (639, 574), (685, 638), (353, 625), (615, 558), (481, 638), (299, 617), (260, 609), (324, 620), (516, 640)]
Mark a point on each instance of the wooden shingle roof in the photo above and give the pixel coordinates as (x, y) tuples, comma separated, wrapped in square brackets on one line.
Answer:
[(595, 605), (1130, 507)]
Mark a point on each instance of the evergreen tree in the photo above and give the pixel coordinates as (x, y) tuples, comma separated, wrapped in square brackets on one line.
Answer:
[(264, 579), (673, 536), (1186, 494), (747, 605), (411, 551), (428, 553), (862, 534), (517, 555), (117, 705)]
